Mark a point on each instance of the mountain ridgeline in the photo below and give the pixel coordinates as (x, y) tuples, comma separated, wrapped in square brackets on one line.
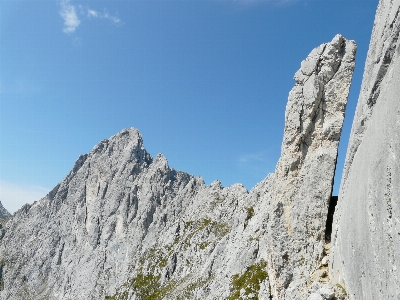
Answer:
[(125, 225)]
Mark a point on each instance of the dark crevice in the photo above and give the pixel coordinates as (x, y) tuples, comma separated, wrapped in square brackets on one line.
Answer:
[(332, 204), (2, 265), (105, 191), (394, 19), (329, 220)]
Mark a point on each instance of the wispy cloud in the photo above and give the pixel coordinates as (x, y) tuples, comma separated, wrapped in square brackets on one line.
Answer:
[(72, 15), (262, 162), (68, 13), (14, 196), (91, 13), (254, 157)]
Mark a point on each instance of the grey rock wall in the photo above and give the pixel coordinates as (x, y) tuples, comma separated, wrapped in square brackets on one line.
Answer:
[(303, 179), (4, 214), (4, 217), (365, 255)]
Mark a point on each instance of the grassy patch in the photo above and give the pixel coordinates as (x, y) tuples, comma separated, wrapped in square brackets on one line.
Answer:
[(250, 214), (146, 285), (204, 245), (249, 281), (189, 289), (342, 289), (218, 229), (216, 201), (252, 238), (188, 224)]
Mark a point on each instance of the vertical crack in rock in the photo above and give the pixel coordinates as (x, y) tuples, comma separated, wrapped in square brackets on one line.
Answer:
[(302, 184), (331, 209), (329, 219)]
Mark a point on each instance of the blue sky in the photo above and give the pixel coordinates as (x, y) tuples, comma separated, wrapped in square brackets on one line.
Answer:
[(205, 82)]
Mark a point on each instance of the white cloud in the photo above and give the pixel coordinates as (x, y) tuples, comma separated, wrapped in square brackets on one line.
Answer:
[(68, 13), (14, 196), (71, 15), (105, 15), (112, 18), (92, 13)]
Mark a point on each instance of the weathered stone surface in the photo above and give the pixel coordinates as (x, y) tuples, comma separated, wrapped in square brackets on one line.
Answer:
[(4, 214), (303, 177), (4, 217), (365, 256), (125, 225), (315, 296), (326, 293)]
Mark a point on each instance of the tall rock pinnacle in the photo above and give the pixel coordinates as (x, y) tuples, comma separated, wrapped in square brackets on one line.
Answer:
[(303, 177)]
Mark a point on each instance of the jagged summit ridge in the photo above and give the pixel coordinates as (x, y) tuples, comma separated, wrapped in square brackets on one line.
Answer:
[(120, 215)]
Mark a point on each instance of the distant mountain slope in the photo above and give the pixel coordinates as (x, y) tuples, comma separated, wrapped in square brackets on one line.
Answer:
[(122, 223)]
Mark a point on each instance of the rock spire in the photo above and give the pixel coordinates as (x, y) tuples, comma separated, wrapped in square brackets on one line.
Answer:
[(303, 178)]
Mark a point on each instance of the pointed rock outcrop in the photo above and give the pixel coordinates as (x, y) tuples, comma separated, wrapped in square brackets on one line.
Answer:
[(365, 256), (303, 178)]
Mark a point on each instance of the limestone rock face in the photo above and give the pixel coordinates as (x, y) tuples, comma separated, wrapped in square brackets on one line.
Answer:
[(4, 217), (4, 214), (303, 178), (365, 255), (126, 226)]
